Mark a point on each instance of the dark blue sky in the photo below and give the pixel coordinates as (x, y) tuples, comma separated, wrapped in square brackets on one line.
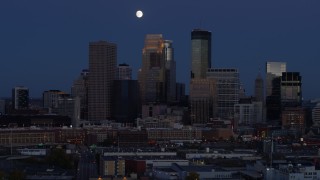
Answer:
[(44, 43)]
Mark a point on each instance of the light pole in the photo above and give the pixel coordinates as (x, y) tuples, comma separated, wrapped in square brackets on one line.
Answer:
[(271, 150)]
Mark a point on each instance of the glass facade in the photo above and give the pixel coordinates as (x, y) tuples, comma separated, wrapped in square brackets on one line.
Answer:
[(152, 71), (125, 101), (170, 71), (157, 76), (201, 53), (274, 72), (291, 94)]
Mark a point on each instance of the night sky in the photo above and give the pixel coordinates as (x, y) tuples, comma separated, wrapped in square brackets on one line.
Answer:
[(44, 43)]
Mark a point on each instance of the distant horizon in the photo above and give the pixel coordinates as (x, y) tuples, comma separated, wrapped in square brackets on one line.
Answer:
[(45, 44)]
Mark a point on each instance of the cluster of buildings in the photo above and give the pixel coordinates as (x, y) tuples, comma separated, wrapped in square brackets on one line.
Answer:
[(106, 91)]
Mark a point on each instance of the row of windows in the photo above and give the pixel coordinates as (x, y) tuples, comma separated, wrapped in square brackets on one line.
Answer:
[(25, 140)]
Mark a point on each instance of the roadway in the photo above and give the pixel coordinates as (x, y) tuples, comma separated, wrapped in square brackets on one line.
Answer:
[(87, 166)]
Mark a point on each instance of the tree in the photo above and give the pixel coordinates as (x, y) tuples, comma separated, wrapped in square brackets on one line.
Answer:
[(15, 175), (59, 158), (2, 175), (193, 176), (231, 139)]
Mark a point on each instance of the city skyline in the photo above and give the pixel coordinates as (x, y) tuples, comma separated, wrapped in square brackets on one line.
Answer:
[(44, 44)]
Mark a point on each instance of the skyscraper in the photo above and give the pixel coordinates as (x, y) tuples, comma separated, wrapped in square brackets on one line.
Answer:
[(291, 94), (71, 107), (274, 72), (247, 112), (151, 76), (258, 89), (202, 100), (51, 97), (170, 71), (126, 101), (124, 72), (102, 68), (80, 89), (201, 53), (20, 98), (228, 85)]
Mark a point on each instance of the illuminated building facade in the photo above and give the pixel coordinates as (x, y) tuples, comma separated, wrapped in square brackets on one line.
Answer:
[(201, 53), (274, 72)]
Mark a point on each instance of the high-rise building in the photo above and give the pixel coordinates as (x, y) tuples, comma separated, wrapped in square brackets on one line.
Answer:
[(248, 112), (20, 98), (124, 72), (151, 76), (203, 98), (80, 89), (291, 94), (316, 115), (274, 72), (201, 53), (170, 71), (102, 68), (228, 85), (293, 118), (68, 106), (126, 101), (258, 89), (51, 97)]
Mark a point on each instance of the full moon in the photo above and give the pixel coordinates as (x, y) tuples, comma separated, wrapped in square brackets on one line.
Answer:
[(139, 14)]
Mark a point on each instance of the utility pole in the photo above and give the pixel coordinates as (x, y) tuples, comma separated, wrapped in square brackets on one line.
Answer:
[(271, 150)]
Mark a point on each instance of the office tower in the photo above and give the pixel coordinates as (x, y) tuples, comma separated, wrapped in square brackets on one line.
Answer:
[(124, 72), (80, 89), (151, 76), (68, 106), (202, 100), (228, 85), (201, 53), (258, 89), (50, 98), (316, 115), (248, 112), (291, 94), (126, 101), (20, 98), (170, 71), (293, 118), (102, 67), (274, 72)]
